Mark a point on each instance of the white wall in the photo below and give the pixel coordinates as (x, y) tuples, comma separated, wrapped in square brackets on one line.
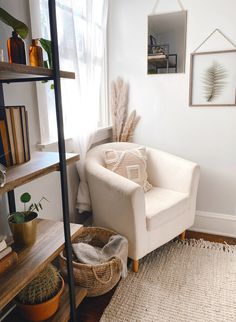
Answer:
[(25, 94), (204, 135)]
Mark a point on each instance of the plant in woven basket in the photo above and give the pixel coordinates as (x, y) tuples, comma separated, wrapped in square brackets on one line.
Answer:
[(44, 287), (123, 125)]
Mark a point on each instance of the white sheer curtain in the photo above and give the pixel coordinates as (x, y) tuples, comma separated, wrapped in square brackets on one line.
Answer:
[(82, 41), (90, 38), (90, 44)]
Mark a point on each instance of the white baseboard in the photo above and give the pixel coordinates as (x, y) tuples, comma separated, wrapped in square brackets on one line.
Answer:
[(214, 223)]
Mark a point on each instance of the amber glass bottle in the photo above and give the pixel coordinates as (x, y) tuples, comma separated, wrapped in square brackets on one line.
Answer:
[(16, 49), (35, 54)]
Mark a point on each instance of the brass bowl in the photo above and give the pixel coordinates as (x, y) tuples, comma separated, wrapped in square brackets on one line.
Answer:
[(24, 233)]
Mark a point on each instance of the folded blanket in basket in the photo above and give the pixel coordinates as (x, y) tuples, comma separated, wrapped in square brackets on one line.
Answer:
[(117, 246)]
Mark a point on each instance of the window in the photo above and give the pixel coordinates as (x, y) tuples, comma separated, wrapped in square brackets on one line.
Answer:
[(73, 49)]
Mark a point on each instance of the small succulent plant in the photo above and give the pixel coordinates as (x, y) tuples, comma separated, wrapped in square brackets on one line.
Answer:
[(44, 287), (19, 217)]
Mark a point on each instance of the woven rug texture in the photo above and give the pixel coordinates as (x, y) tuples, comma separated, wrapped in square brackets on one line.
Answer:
[(190, 281)]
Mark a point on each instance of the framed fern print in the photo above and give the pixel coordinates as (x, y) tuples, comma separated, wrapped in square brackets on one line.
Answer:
[(213, 78)]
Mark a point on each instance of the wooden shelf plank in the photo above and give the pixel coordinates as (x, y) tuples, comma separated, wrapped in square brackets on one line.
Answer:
[(63, 314), (32, 260), (10, 72), (41, 163)]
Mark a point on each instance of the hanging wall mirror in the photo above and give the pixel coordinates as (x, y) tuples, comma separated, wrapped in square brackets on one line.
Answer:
[(167, 43)]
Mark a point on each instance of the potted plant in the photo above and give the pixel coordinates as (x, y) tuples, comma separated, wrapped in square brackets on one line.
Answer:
[(39, 300), (23, 224)]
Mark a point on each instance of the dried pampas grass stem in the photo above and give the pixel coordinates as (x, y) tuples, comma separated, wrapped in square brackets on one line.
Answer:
[(123, 125)]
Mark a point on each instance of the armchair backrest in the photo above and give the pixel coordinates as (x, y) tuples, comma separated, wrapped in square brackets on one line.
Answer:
[(96, 153), (168, 171), (164, 170)]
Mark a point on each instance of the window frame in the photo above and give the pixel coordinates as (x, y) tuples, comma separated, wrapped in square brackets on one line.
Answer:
[(104, 126)]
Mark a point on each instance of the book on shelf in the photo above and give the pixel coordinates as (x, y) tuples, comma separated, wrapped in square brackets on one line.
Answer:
[(9, 239), (2, 154), (3, 245), (14, 135), (5, 249), (2, 237), (24, 122), (8, 262), (17, 134), (5, 137), (5, 252), (11, 140)]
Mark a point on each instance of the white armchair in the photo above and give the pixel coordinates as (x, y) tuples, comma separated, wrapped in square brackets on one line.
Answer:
[(148, 220)]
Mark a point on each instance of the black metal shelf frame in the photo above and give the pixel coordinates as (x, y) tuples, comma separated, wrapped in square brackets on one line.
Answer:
[(61, 146), (62, 153), (21, 80)]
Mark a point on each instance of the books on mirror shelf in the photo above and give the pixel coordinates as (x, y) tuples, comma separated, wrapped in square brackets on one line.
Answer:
[(14, 135), (8, 258)]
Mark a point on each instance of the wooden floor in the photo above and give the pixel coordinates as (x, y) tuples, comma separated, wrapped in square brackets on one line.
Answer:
[(91, 309)]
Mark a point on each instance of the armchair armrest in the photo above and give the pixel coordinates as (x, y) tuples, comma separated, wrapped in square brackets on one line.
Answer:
[(171, 172), (118, 203)]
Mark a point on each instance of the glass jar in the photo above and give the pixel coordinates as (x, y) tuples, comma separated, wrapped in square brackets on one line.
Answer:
[(16, 49), (35, 54)]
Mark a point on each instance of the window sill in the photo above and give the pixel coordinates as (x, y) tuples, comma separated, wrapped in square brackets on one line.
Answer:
[(102, 134)]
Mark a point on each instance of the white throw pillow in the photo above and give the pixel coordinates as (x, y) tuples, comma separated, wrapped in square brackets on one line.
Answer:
[(130, 164)]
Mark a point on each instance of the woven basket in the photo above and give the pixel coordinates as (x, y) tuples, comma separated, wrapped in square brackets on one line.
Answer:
[(97, 279)]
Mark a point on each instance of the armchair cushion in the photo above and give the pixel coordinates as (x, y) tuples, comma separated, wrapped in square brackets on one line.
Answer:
[(130, 164), (163, 205)]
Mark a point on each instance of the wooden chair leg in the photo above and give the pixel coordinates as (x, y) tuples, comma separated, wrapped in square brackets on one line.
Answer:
[(135, 266), (182, 235)]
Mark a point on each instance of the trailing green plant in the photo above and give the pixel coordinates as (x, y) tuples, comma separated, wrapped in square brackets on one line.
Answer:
[(47, 46), (19, 217), (17, 26), (214, 81), (44, 287)]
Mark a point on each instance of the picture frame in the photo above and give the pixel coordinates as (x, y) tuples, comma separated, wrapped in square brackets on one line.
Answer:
[(168, 31), (213, 79)]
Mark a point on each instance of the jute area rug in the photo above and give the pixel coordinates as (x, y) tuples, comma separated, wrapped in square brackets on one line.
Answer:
[(190, 281)]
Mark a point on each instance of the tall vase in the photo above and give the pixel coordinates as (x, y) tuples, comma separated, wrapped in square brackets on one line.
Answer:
[(16, 49)]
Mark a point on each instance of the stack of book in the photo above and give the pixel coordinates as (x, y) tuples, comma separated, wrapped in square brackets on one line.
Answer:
[(14, 135), (8, 258)]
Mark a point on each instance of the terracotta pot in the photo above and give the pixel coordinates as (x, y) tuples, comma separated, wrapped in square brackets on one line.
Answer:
[(24, 233), (42, 311)]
